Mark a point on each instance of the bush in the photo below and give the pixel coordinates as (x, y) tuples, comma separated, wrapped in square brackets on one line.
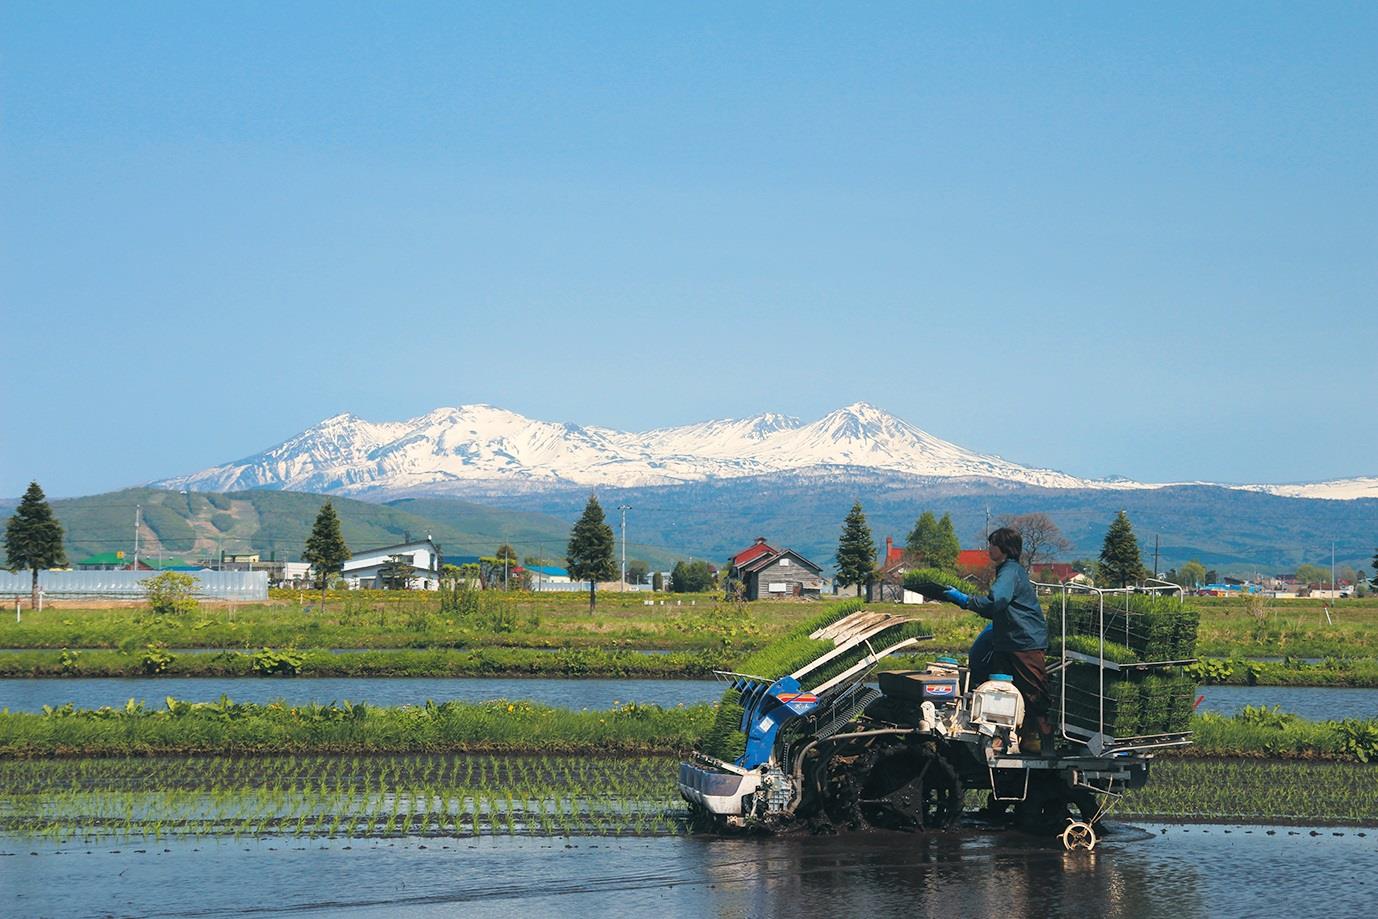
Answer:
[(270, 662), (155, 660), (171, 593)]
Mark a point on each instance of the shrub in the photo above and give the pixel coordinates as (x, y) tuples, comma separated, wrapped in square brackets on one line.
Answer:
[(171, 593), (270, 662), (155, 660)]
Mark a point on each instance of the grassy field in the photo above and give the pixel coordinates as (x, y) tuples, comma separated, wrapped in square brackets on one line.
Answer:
[(370, 619), (407, 631), (226, 727)]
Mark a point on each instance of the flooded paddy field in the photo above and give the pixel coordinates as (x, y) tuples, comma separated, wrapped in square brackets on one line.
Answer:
[(31, 694), (472, 796), (1139, 870)]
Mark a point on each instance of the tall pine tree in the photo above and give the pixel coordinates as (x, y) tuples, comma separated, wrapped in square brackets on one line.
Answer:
[(33, 537), (946, 547), (856, 551), (325, 547), (1120, 564), (924, 537), (589, 554)]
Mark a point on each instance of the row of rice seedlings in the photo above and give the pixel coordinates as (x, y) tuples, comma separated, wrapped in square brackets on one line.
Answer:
[(541, 795), (1258, 790)]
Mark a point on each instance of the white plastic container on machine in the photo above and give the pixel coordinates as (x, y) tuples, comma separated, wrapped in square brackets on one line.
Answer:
[(997, 702)]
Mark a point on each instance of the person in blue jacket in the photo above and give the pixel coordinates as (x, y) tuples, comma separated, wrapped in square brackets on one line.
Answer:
[(1017, 637)]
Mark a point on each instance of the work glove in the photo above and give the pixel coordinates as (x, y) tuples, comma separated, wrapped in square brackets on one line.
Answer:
[(953, 595)]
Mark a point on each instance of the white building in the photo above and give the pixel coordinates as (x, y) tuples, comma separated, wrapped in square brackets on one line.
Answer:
[(364, 568)]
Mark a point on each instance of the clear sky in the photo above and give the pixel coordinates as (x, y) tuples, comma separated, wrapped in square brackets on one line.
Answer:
[(1111, 240)]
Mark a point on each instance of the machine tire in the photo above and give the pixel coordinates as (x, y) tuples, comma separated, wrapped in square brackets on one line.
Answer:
[(911, 788)]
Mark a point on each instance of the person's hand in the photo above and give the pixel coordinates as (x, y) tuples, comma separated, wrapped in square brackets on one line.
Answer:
[(953, 595)]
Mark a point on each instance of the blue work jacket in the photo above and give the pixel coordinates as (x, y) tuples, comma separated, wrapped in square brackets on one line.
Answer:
[(1012, 607)]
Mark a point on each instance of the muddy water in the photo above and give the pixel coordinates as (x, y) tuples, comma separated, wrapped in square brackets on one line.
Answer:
[(1137, 871)]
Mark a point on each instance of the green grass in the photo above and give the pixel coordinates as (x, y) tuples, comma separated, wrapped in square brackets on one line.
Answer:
[(230, 727), (388, 662)]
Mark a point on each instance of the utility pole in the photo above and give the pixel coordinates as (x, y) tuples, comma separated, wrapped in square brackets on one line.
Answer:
[(987, 521), (138, 511), (624, 508), (1155, 555), (1334, 591)]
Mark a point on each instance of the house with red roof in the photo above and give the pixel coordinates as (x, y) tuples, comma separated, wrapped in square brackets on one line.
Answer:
[(761, 570)]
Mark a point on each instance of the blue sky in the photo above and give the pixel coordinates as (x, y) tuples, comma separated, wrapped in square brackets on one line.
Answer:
[(1103, 239)]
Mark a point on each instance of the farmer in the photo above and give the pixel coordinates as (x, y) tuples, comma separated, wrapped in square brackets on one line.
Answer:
[(1017, 637)]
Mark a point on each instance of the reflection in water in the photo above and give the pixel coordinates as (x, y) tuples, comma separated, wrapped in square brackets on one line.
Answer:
[(1171, 872), (964, 873)]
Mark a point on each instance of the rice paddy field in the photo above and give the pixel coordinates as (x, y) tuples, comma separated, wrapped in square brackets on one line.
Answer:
[(472, 796)]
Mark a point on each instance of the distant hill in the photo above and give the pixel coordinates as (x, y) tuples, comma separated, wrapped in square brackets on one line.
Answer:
[(1236, 531), (275, 524)]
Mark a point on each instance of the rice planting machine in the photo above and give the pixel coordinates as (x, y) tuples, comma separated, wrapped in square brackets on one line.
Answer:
[(827, 745)]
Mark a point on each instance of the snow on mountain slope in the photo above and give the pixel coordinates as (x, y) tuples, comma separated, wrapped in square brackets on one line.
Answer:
[(1335, 490), (481, 448)]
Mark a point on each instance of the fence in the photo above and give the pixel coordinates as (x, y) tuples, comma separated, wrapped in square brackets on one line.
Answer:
[(210, 585)]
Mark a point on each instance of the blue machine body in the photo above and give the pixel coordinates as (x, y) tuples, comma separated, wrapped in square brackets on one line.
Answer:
[(766, 707)]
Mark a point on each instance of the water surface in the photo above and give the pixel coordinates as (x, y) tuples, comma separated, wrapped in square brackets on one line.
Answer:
[(1173, 872)]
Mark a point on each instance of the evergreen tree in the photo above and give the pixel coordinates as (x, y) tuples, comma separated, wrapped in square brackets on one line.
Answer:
[(325, 547), (946, 547), (923, 539), (1120, 564), (1375, 567), (33, 537), (396, 573), (589, 554), (856, 551)]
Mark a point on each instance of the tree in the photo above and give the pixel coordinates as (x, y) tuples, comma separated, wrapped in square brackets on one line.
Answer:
[(589, 554), (947, 547), (657, 582), (1193, 574), (924, 537), (33, 537), (934, 542), (325, 547), (856, 551), (637, 571), (506, 558), (172, 593), (1308, 575), (1120, 564), (692, 577), (396, 572), (1042, 539)]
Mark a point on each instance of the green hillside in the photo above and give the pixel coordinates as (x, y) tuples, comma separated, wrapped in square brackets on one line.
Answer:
[(275, 524)]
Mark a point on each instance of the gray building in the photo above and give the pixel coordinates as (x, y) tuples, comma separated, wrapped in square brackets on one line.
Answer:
[(779, 573)]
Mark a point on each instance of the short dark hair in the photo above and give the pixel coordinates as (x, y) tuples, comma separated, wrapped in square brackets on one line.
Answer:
[(1007, 541)]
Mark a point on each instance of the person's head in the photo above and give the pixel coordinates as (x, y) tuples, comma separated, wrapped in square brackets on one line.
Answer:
[(1005, 543)]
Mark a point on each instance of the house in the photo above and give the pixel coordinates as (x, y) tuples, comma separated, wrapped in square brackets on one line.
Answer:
[(761, 570), (104, 561), (888, 585), (548, 577), (364, 569)]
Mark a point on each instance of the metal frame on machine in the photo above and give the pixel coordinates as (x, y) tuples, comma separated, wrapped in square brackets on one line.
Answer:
[(1098, 742)]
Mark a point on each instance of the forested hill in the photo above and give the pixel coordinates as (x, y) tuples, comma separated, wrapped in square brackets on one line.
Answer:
[(275, 524)]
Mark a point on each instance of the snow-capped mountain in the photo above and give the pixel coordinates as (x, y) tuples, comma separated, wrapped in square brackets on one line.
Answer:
[(475, 448), (1334, 490), (480, 449)]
